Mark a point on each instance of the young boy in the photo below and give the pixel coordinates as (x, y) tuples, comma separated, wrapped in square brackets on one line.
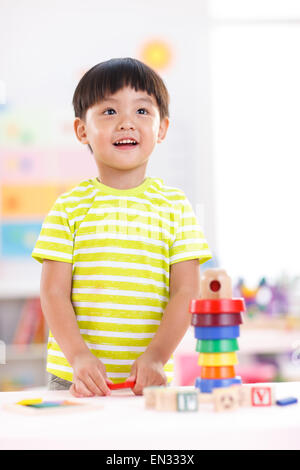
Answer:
[(120, 251)]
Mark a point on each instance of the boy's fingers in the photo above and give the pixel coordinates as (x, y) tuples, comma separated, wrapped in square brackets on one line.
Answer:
[(107, 380), (133, 372), (99, 383), (81, 389), (93, 386), (131, 378), (73, 391), (78, 389), (138, 389), (103, 380), (139, 380)]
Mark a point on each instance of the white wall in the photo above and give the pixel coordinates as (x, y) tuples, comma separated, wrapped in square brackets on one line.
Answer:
[(255, 76)]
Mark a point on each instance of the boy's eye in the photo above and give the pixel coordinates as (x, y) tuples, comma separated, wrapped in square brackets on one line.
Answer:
[(108, 111)]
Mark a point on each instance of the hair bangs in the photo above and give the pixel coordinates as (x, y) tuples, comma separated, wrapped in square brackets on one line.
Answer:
[(108, 77)]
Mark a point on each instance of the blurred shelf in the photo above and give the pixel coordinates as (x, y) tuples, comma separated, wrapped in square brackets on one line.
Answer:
[(27, 353), (19, 279), (24, 367), (284, 322), (26, 290), (268, 341)]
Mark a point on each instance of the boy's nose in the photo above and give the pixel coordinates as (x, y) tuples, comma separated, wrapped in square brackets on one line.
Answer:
[(126, 124)]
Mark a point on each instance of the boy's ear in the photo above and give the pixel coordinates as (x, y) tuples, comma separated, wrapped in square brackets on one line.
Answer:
[(80, 131), (164, 124)]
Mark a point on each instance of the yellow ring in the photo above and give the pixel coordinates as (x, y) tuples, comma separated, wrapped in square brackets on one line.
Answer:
[(217, 359)]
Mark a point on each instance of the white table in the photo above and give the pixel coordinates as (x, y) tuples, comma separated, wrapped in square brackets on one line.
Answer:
[(123, 423)]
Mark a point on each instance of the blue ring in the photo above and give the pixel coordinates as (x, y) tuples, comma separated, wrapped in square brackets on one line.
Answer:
[(207, 385), (217, 332)]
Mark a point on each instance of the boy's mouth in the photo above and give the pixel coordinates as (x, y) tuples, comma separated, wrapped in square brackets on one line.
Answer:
[(125, 143)]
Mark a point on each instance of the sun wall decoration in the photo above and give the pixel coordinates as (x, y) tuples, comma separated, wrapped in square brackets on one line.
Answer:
[(157, 53)]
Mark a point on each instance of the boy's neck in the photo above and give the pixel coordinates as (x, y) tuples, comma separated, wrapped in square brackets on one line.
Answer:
[(119, 179)]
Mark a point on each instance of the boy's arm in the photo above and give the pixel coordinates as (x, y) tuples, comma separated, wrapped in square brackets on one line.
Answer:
[(184, 286), (55, 294)]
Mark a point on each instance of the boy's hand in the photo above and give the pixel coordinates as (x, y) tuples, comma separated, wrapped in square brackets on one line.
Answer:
[(89, 376), (147, 371)]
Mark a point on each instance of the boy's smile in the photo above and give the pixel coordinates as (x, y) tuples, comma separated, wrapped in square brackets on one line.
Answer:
[(122, 130)]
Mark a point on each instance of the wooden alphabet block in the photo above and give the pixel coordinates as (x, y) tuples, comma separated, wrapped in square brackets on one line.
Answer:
[(262, 396), (166, 399), (256, 395), (187, 401), (226, 399), (150, 394)]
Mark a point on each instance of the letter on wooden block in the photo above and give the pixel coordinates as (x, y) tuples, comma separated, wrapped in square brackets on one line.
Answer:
[(261, 396), (253, 395), (226, 399), (187, 401)]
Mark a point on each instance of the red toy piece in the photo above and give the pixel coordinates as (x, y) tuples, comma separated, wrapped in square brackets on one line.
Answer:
[(217, 306), (223, 319), (126, 384)]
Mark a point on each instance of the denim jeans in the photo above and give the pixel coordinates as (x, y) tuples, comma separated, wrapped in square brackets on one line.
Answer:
[(56, 383)]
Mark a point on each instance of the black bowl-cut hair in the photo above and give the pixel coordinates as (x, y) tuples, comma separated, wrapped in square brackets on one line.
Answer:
[(106, 78)]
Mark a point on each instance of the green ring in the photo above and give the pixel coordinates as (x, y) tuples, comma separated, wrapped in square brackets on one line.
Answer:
[(217, 345)]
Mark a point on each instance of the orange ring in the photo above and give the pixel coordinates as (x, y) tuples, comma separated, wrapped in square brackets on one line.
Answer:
[(223, 372)]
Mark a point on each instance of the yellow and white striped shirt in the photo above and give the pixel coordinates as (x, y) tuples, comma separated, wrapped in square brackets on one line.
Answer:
[(121, 244)]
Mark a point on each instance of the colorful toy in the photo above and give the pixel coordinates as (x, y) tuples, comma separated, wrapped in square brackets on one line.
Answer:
[(208, 385), (38, 406), (150, 396), (287, 401), (262, 396), (126, 384), (51, 404), (248, 294), (187, 401), (171, 398), (227, 397), (266, 297), (216, 318), (215, 332), (272, 299)]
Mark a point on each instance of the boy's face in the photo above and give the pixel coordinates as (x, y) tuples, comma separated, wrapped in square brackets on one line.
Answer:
[(127, 114)]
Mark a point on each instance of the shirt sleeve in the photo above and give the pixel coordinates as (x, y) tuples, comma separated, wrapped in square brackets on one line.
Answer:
[(55, 240), (189, 242)]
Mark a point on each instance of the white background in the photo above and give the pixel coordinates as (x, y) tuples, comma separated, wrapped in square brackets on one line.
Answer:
[(255, 76)]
